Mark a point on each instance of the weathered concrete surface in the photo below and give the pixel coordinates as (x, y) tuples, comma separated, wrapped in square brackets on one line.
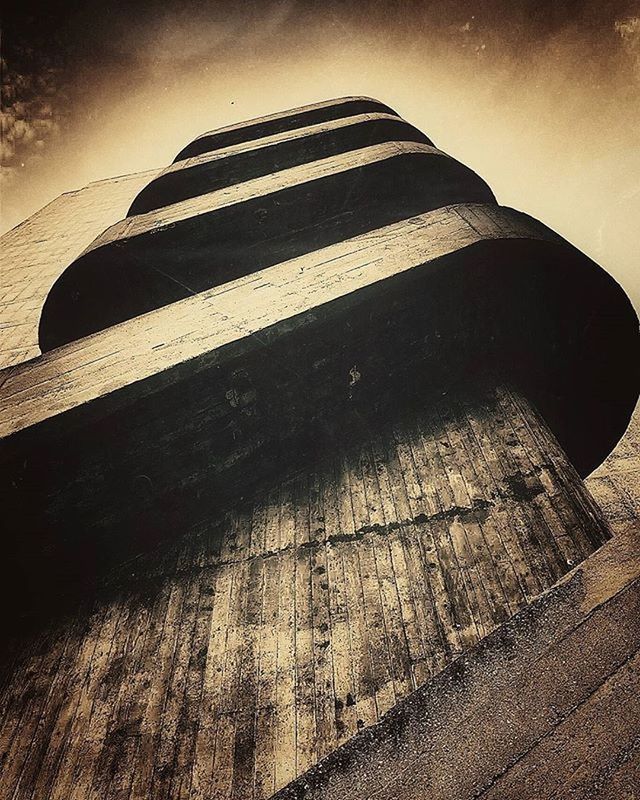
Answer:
[(291, 293), (282, 121), (546, 706), (154, 259), (571, 361), (616, 483), (219, 366), (35, 253), (251, 159), (227, 661)]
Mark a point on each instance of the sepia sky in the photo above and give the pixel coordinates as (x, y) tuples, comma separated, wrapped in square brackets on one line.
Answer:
[(542, 99)]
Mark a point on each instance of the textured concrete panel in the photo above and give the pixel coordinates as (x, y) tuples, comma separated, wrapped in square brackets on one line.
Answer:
[(35, 253), (545, 707), (616, 483), (238, 654)]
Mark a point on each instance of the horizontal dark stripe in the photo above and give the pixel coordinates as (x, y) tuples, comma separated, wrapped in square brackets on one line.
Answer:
[(133, 275), (451, 294), (174, 185), (246, 132)]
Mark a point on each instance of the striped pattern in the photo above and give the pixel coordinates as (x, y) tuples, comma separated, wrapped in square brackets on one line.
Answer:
[(147, 353), (154, 259), (242, 162), (291, 293), (227, 664), (295, 481), (545, 708), (280, 122)]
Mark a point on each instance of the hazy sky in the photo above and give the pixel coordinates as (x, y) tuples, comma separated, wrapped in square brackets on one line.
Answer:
[(542, 99)]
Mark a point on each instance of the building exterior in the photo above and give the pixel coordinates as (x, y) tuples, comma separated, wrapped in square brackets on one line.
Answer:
[(293, 440)]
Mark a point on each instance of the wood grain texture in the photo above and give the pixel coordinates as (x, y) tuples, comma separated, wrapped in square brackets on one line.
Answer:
[(229, 663), (545, 707)]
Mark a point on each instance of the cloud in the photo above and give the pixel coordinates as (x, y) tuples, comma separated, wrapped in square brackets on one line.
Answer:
[(28, 119)]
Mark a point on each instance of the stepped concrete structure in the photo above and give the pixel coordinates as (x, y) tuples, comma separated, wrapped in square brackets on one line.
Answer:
[(316, 482)]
